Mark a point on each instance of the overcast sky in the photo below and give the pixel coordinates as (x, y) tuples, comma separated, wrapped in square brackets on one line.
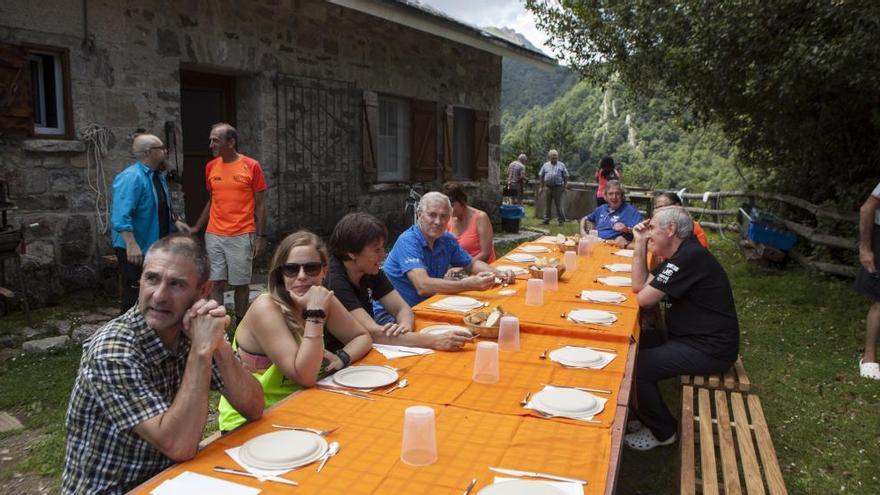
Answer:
[(499, 13)]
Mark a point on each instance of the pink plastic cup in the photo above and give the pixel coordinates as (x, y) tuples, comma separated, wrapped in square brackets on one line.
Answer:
[(508, 334), (571, 262), (551, 278), (419, 445), (486, 363), (535, 292)]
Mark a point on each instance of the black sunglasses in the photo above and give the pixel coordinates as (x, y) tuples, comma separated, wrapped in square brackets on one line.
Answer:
[(312, 268)]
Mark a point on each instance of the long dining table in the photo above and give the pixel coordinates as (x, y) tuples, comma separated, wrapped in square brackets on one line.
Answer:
[(477, 425)]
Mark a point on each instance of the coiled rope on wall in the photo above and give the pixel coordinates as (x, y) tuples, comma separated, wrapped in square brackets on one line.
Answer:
[(96, 138)]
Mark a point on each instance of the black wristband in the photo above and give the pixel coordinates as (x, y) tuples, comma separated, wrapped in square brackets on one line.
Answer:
[(318, 314), (344, 357)]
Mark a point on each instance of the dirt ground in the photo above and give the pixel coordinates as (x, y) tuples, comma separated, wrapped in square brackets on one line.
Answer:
[(12, 450)]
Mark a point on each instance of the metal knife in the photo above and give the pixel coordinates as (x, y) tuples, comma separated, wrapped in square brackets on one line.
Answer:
[(344, 392), (276, 479), (583, 389), (530, 474)]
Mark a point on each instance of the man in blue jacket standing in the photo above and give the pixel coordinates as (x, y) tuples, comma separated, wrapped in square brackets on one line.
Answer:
[(141, 213)]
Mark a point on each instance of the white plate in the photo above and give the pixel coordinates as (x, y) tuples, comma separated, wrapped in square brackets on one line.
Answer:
[(520, 487), (626, 253), (528, 248), (602, 296), (616, 281), (521, 257), (576, 356), (438, 329), (517, 270), (283, 449), (507, 292), (459, 302), (566, 402), (592, 316), (619, 267), (365, 376)]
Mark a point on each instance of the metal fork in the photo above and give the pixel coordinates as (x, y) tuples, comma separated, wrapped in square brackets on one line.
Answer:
[(525, 401), (549, 416), (316, 431)]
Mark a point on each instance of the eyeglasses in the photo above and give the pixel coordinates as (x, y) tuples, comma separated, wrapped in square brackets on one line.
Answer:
[(163, 148), (312, 268)]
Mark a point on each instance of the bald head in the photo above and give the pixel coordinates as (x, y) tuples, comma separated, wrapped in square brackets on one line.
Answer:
[(149, 150)]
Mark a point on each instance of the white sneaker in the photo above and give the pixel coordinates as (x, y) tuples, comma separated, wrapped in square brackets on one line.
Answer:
[(869, 370), (645, 440)]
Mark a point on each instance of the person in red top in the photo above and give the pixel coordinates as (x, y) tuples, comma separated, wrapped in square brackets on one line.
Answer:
[(470, 226), (672, 199), (606, 171), (235, 216)]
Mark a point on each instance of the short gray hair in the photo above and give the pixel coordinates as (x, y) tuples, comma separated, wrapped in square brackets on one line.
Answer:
[(684, 224), (433, 197), (552, 152), (614, 183), (522, 158), (188, 247)]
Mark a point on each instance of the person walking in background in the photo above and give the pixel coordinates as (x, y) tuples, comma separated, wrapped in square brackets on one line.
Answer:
[(553, 179), (604, 173), (235, 216), (868, 280), (516, 177), (141, 212)]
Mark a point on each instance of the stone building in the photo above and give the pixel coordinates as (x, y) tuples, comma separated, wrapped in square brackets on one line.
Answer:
[(346, 103)]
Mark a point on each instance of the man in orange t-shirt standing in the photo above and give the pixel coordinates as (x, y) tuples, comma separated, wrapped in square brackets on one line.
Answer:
[(235, 216)]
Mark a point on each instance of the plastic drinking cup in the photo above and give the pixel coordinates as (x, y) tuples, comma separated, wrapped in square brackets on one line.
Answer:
[(419, 445), (594, 233), (551, 278), (535, 292), (486, 363), (583, 247), (571, 262), (508, 334)]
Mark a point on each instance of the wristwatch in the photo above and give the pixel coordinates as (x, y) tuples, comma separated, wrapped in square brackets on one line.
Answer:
[(314, 314), (344, 357)]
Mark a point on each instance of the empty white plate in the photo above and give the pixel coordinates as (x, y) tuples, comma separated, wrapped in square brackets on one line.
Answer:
[(592, 316), (602, 296), (616, 281), (521, 257), (517, 270), (459, 302), (626, 253), (283, 449), (520, 487), (438, 329), (366, 376), (566, 402), (528, 248), (576, 356), (619, 267)]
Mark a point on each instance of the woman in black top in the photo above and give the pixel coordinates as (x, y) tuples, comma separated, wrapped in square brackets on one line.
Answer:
[(357, 245)]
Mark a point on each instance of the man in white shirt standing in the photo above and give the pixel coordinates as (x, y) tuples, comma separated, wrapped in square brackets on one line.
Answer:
[(553, 176), (868, 280)]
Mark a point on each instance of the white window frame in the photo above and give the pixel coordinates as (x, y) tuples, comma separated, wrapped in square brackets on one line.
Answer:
[(393, 145), (39, 120)]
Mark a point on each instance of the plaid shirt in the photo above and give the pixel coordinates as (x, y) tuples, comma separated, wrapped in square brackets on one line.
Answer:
[(516, 172), (126, 376)]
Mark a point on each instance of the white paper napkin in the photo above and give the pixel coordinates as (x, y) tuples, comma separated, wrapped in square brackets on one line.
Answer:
[(262, 474), (187, 483), (618, 267), (399, 351), (601, 401), (626, 253), (607, 357), (585, 295), (568, 487)]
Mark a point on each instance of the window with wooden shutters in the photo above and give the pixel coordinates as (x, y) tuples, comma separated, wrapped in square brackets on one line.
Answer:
[(393, 139), (50, 89), (481, 144), (16, 108), (463, 144), (424, 140), (369, 134)]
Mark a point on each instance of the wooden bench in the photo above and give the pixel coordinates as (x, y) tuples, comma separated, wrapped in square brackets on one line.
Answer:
[(714, 428), (733, 380)]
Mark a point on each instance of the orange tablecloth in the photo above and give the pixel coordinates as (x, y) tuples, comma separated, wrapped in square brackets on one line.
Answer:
[(478, 425)]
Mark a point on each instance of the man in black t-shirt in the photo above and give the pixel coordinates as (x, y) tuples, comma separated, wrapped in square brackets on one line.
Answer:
[(700, 318)]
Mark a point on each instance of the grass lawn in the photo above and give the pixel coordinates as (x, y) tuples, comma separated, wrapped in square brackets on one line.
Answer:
[(801, 339)]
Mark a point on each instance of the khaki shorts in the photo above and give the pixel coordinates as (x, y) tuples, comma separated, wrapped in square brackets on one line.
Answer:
[(231, 257)]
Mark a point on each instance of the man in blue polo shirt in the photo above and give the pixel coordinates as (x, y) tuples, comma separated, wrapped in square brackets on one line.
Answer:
[(423, 253), (615, 219)]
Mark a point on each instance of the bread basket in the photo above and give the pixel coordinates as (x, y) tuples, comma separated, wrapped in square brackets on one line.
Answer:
[(475, 322)]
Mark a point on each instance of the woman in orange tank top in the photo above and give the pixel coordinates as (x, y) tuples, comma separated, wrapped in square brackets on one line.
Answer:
[(470, 226)]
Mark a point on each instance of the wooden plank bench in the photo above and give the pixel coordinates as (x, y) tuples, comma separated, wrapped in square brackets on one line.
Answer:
[(733, 380), (706, 420)]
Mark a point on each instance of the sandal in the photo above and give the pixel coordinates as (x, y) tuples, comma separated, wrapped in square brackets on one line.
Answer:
[(633, 426), (645, 440), (869, 370)]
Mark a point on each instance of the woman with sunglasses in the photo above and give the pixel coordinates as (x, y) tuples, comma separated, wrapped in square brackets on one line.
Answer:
[(357, 279), (281, 338)]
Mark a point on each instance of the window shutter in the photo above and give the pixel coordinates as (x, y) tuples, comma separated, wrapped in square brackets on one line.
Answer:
[(448, 140), (16, 102), (481, 144), (423, 133), (370, 134)]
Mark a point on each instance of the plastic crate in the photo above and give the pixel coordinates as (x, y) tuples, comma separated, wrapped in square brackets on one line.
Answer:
[(769, 236), (512, 212)]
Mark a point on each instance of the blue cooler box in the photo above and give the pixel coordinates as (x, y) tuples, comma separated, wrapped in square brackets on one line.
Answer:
[(768, 235)]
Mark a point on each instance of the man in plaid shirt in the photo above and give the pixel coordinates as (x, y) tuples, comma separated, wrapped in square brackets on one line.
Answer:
[(140, 401)]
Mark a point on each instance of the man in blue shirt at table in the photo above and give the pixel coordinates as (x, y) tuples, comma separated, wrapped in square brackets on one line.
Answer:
[(423, 254), (141, 213), (615, 219)]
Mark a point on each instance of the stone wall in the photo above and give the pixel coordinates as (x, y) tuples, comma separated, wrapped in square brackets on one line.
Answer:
[(125, 76)]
